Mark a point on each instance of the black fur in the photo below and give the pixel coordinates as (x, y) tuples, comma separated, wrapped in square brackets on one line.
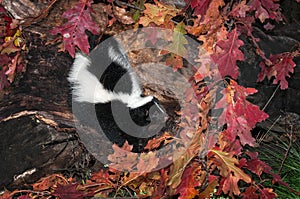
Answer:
[(116, 77)]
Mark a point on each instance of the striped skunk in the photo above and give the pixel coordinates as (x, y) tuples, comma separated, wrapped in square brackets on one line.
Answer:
[(106, 79)]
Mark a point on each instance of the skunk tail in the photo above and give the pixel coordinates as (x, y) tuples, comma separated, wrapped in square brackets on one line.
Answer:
[(85, 85)]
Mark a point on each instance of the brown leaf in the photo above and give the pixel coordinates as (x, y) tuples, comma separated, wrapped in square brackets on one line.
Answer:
[(227, 164), (123, 158), (157, 142), (147, 162), (158, 14), (122, 15)]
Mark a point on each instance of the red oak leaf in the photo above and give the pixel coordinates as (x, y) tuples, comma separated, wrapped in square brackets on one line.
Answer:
[(239, 10), (265, 9), (228, 54), (69, 192), (239, 114), (199, 6), (250, 193), (251, 113), (229, 143), (257, 166), (282, 65), (188, 183), (101, 176), (73, 32)]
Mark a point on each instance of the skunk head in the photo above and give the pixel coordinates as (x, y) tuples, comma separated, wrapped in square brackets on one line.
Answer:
[(150, 112)]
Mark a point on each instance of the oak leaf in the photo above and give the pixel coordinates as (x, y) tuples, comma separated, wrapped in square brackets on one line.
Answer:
[(281, 66), (227, 54), (228, 164), (101, 177), (73, 32), (265, 9), (231, 185), (158, 14), (255, 165), (155, 143), (179, 40), (199, 6), (239, 114), (175, 61), (250, 193), (50, 181), (9, 47), (229, 143), (123, 158), (189, 182), (213, 26), (122, 15), (69, 192), (178, 167), (239, 9), (147, 162)]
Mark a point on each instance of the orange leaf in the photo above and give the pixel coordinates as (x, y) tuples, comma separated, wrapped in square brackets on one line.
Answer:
[(188, 182), (49, 181), (156, 142), (231, 185)]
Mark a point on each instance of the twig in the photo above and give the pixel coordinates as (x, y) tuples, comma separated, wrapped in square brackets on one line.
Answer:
[(272, 96), (263, 137), (287, 151)]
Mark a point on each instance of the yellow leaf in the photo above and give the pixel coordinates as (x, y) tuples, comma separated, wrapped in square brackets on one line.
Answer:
[(158, 14)]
